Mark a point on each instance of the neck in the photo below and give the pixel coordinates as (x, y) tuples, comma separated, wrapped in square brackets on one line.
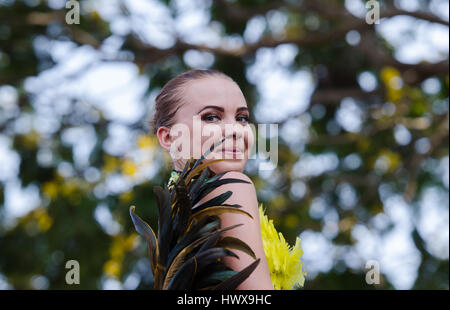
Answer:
[(211, 173)]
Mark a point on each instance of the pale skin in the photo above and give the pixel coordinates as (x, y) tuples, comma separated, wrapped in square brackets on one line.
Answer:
[(219, 101)]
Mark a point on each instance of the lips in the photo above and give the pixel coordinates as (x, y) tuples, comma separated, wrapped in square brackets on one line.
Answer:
[(232, 150), (232, 153)]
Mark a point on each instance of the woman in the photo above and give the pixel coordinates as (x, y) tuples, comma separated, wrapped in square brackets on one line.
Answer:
[(206, 101), (196, 110)]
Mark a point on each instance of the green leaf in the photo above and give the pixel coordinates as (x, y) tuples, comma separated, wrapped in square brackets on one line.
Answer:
[(222, 275), (212, 255), (179, 259), (165, 231), (217, 210), (237, 244), (209, 187), (233, 282), (218, 200), (196, 231), (147, 232), (184, 275)]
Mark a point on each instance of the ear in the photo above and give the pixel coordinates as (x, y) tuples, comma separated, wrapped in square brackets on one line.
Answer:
[(164, 137)]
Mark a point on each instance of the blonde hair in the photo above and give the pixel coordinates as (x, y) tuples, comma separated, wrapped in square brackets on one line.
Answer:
[(169, 98)]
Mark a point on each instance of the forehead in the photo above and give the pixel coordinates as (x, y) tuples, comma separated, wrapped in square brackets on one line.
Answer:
[(213, 91)]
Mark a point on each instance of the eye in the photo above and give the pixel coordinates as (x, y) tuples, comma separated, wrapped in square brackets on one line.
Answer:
[(242, 118), (210, 117)]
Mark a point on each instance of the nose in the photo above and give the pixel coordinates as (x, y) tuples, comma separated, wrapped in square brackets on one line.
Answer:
[(232, 130)]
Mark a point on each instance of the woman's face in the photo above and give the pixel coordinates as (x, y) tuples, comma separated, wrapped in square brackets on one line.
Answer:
[(215, 108)]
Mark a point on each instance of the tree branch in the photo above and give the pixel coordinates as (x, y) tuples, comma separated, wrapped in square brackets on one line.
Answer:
[(330, 9), (412, 73), (414, 166), (392, 11)]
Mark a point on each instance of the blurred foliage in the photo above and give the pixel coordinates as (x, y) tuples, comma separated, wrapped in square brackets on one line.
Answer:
[(64, 225)]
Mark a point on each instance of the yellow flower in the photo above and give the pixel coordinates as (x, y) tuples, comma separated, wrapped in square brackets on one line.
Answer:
[(284, 261), (291, 221), (120, 246), (69, 188), (126, 196), (111, 163), (391, 78), (129, 167), (386, 161), (145, 141), (278, 202), (43, 219), (112, 268), (50, 189), (37, 221), (31, 139)]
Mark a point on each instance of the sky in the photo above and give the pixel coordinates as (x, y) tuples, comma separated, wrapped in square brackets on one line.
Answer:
[(97, 78)]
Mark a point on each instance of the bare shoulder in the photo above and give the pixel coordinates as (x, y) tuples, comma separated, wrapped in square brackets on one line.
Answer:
[(243, 194), (248, 231), (237, 175), (247, 188)]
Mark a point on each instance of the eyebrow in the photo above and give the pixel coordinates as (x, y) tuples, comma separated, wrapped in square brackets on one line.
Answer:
[(221, 109), (242, 109)]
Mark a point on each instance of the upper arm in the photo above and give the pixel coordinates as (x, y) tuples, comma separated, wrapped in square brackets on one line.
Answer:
[(250, 232)]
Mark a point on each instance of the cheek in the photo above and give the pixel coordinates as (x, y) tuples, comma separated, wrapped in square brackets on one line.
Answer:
[(210, 134), (185, 140), (249, 139)]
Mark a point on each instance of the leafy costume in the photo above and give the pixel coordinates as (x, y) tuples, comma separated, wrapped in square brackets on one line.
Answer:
[(188, 251)]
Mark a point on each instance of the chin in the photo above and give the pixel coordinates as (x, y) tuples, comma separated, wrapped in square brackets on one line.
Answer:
[(237, 165)]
